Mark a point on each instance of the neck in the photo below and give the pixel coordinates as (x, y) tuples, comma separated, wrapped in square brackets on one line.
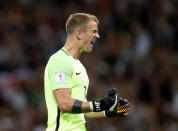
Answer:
[(73, 48)]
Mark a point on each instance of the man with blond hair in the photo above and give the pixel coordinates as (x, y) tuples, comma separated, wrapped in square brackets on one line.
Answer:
[(66, 80)]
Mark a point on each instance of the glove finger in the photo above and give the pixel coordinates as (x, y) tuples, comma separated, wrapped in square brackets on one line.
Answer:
[(112, 92), (122, 101), (125, 114), (123, 107), (123, 110)]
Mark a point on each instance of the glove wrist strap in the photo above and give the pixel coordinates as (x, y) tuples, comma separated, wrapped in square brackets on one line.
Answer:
[(97, 106)]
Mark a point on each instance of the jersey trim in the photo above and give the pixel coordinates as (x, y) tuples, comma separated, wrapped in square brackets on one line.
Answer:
[(65, 51), (57, 119)]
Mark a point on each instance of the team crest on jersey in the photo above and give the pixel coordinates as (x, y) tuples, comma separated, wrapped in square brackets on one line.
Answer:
[(60, 77)]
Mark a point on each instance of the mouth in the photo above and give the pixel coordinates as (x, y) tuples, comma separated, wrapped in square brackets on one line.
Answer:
[(92, 42)]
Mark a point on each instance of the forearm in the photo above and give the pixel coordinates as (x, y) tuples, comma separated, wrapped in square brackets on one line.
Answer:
[(95, 115), (68, 104), (75, 106)]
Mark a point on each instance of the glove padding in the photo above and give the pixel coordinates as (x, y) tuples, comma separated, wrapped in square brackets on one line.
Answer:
[(121, 110), (108, 102)]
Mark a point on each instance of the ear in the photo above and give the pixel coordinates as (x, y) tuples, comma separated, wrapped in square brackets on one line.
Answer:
[(79, 34)]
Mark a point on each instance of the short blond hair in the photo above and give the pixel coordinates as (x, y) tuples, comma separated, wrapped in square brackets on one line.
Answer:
[(79, 20)]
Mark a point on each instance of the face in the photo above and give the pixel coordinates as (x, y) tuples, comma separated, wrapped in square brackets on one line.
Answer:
[(90, 36)]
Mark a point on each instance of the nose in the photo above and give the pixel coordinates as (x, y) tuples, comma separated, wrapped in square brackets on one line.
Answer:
[(97, 35)]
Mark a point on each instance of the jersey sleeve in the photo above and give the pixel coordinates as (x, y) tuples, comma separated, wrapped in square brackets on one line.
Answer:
[(60, 73)]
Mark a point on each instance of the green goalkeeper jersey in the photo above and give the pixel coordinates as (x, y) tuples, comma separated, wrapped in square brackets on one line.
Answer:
[(63, 71)]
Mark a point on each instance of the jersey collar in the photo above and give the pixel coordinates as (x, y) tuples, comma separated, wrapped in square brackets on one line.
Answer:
[(63, 49)]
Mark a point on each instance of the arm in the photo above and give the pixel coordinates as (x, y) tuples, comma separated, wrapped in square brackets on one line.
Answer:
[(95, 115), (66, 102)]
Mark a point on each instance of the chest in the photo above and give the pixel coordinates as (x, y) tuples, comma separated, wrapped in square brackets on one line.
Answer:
[(80, 76)]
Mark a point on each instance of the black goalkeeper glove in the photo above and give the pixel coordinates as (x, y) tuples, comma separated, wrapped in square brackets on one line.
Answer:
[(121, 110), (108, 102)]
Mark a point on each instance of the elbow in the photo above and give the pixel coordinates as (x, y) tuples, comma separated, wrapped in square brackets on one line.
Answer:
[(65, 108)]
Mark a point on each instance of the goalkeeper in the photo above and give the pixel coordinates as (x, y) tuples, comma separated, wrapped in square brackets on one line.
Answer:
[(66, 81)]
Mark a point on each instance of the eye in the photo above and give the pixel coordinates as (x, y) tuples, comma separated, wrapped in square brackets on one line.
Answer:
[(94, 31)]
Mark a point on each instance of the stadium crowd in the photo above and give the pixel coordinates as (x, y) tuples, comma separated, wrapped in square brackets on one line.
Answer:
[(137, 53)]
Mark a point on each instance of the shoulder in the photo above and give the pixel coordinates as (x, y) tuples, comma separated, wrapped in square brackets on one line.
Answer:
[(60, 57), (60, 60)]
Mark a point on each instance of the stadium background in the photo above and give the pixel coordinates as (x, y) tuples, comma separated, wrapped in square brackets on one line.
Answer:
[(137, 53)]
